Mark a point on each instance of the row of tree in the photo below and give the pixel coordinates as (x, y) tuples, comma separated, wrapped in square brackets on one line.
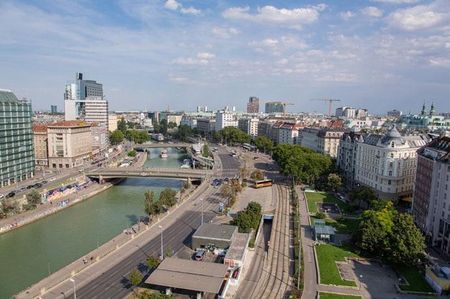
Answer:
[(232, 136), (167, 199), (249, 218), (386, 233)]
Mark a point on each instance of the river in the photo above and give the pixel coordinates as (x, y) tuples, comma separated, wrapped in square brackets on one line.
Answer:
[(30, 253)]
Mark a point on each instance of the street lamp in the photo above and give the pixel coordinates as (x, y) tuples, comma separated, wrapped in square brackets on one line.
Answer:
[(201, 199), (162, 243), (74, 288)]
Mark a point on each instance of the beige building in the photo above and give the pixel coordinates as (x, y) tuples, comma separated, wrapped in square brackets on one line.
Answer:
[(322, 140), (69, 144), (40, 145), (249, 126), (112, 122), (387, 163)]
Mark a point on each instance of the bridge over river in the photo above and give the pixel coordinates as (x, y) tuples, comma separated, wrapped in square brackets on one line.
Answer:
[(169, 173)]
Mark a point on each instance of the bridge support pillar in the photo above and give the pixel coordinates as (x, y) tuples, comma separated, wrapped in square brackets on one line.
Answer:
[(100, 179)]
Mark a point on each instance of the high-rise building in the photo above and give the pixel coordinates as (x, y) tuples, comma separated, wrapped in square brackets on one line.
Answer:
[(95, 110), (275, 107), (16, 139), (53, 109), (253, 105), (431, 200), (76, 94)]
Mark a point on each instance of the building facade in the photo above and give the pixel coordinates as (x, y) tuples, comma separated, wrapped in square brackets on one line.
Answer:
[(431, 200), (225, 118), (346, 157), (95, 110), (387, 163), (249, 126), (253, 105), (322, 140), (275, 107), (112, 122), (40, 145), (69, 144), (206, 125), (16, 139)]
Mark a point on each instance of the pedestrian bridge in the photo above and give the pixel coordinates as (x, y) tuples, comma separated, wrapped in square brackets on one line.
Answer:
[(169, 173), (161, 145)]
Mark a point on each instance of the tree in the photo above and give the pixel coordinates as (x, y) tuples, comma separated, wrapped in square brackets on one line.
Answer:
[(132, 153), (122, 126), (232, 135), (150, 207), (205, 150), (152, 262), (33, 199), (172, 125), (137, 136), (135, 277), (167, 197), (334, 181), (249, 218), (184, 132), (407, 243), (254, 208), (163, 126), (363, 196), (116, 137), (264, 143), (257, 175)]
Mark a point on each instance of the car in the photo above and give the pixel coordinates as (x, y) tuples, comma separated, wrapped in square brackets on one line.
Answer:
[(11, 194), (199, 255), (44, 182), (38, 185), (30, 186), (1, 196)]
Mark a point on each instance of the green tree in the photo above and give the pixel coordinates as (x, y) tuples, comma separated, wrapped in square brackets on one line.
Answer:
[(172, 125), (152, 262), (163, 125), (334, 181), (137, 136), (184, 132), (33, 199), (116, 137), (407, 243), (132, 153), (362, 196), (167, 197), (122, 126), (263, 143), (249, 218), (149, 204), (231, 135), (135, 277), (205, 150)]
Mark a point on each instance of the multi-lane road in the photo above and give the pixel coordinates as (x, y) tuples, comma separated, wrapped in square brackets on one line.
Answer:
[(113, 283)]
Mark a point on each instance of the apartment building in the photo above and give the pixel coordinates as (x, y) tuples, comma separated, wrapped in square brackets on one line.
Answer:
[(322, 140), (225, 118), (346, 156), (431, 200), (40, 145), (249, 126)]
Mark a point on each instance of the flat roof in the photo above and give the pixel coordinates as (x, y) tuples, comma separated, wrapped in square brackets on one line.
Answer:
[(237, 247), (215, 231), (324, 230), (189, 275)]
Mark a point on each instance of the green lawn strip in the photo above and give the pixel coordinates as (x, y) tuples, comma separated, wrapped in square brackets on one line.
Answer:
[(416, 280), (337, 296), (320, 197), (327, 256), (342, 225)]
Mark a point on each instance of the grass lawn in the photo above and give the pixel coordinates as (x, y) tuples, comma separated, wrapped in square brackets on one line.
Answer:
[(319, 197), (342, 225), (416, 280), (337, 296), (327, 256)]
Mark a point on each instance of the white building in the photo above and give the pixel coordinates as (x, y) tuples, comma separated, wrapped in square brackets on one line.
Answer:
[(95, 110), (431, 201), (387, 163), (288, 133), (322, 140), (225, 118), (249, 126), (112, 122)]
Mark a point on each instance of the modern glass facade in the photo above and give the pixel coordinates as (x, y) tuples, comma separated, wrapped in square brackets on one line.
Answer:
[(16, 139)]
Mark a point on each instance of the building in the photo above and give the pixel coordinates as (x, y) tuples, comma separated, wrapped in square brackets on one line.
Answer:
[(346, 157), (40, 145), (322, 140), (76, 93), (215, 235), (189, 121), (16, 139), (394, 113), (206, 125), (323, 232), (287, 133), (249, 126), (95, 110), (352, 113), (112, 122), (425, 121), (225, 118), (387, 163), (69, 144), (202, 108), (100, 138), (275, 107), (265, 128), (253, 105), (53, 109), (431, 200)]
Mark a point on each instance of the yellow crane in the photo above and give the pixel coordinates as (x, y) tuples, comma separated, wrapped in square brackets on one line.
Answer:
[(330, 103)]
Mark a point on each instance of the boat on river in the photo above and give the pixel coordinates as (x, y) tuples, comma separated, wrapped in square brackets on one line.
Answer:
[(164, 154)]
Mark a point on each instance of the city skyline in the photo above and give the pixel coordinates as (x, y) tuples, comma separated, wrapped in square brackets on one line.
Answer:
[(378, 54)]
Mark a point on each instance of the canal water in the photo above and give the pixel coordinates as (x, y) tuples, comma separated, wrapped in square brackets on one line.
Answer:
[(30, 253)]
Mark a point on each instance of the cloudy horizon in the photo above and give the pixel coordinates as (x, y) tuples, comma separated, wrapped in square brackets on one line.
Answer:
[(153, 55)]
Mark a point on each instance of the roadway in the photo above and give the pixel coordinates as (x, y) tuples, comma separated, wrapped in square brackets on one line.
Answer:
[(112, 282)]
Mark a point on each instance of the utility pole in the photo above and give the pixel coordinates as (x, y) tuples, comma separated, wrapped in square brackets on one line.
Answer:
[(162, 243)]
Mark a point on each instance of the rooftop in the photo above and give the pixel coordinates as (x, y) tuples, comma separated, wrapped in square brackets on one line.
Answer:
[(237, 247), (70, 123), (39, 128), (7, 96), (189, 275), (324, 230), (215, 231)]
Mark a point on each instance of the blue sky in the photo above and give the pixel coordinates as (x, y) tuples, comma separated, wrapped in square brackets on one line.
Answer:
[(150, 54)]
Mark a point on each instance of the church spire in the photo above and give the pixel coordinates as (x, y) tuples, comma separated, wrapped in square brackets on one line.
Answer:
[(423, 109), (432, 109)]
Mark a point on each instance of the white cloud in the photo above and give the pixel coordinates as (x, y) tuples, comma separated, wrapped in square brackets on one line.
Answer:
[(372, 11), (202, 58), (397, 1), (346, 15), (225, 32), (190, 11), (440, 62), (172, 4), (205, 55), (271, 14), (415, 18)]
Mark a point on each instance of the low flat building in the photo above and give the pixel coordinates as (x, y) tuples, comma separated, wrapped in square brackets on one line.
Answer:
[(237, 251), (217, 235), (69, 144)]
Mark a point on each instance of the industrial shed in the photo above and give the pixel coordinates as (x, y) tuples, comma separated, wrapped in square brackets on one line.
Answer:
[(217, 235)]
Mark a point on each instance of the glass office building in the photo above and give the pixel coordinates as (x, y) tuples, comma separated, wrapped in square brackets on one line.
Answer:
[(16, 139)]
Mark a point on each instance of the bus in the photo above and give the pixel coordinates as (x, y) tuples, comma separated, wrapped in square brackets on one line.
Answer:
[(263, 183), (249, 147)]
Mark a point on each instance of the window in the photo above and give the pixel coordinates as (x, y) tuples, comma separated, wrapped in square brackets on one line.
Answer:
[(389, 182)]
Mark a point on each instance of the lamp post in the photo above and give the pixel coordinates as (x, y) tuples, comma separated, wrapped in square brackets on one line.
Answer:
[(74, 288), (201, 199), (162, 243)]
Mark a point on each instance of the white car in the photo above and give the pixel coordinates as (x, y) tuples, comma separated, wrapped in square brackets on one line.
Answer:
[(2, 196)]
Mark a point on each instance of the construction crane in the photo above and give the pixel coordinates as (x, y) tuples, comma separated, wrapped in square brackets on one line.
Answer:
[(330, 103)]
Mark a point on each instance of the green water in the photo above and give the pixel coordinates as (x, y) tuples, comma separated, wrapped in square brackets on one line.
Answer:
[(28, 254)]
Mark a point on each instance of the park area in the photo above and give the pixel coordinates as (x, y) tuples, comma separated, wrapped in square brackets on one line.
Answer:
[(327, 257), (316, 199), (323, 295)]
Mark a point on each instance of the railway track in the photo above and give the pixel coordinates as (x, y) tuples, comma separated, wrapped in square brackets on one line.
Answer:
[(275, 279)]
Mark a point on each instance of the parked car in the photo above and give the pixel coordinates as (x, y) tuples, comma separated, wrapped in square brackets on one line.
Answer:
[(38, 185), (11, 194), (30, 186), (1, 196), (199, 255)]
